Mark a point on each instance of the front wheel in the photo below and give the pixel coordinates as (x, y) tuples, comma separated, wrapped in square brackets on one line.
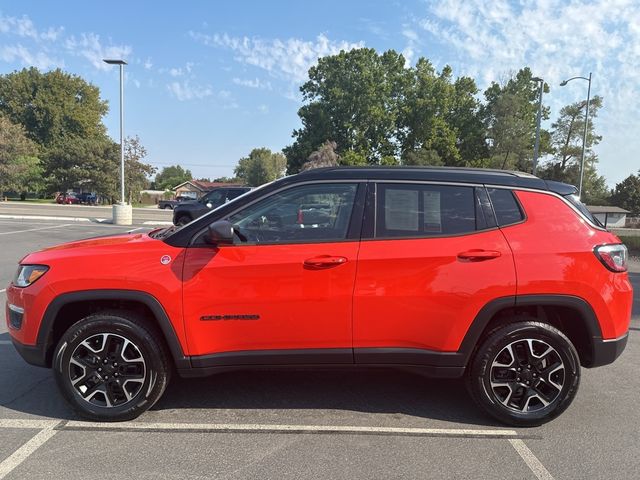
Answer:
[(110, 367), (525, 374)]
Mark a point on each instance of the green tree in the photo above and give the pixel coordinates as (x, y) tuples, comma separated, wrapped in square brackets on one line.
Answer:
[(172, 176), (566, 141), (380, 112), (52, 106), (228, 180), (325, 156), (137, 172), (261, 166), (19, 164), (509, 114), (352, 99), (627, 194)]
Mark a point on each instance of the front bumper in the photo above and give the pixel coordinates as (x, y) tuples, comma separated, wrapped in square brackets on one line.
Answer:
[(33, 354), (606, 351)]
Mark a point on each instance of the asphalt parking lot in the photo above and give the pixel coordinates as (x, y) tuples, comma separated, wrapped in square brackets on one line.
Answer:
[(302, 424)]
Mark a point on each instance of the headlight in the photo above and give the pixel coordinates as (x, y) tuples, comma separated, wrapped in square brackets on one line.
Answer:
[(27, 274)]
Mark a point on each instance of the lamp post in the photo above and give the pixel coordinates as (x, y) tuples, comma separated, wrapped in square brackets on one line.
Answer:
[(586, 123), (536, 147), (122, 213)]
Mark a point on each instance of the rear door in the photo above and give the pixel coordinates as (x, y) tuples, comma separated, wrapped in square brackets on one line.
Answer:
[(433, 258)]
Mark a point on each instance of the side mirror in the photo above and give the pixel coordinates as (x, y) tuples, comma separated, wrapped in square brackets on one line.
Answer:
[(220, 233)]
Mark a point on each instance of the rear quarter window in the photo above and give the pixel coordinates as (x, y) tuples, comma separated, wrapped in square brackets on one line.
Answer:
[(506, 207)]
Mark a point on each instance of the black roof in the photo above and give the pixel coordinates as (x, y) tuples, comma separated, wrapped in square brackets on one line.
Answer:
[(440, 174)]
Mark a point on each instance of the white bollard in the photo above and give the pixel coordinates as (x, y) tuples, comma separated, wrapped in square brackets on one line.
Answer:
[(122, 214)]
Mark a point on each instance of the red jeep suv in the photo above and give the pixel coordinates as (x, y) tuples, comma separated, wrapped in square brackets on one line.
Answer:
[(500, 277)]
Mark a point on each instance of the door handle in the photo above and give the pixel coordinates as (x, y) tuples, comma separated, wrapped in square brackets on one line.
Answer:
[(478, 255), (324, 261)]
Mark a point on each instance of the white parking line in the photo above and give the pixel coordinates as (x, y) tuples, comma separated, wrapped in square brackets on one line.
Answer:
[(3, 290), (530, 459), (255, 428), (20, 455), (35, 229)]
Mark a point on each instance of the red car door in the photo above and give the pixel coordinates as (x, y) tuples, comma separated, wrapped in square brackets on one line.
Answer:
[(435, 259), (284, 290)]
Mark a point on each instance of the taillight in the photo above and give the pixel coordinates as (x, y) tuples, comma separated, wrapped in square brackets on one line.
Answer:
[(614, 257)]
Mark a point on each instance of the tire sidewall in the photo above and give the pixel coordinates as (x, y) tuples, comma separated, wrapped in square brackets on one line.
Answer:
[(480, 372), (152, 387)]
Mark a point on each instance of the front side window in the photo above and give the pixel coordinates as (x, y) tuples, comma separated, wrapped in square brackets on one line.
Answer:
[(307, 213), (215, 198), (417, 210)]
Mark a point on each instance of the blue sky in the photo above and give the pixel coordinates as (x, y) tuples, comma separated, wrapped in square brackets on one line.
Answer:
[(208, 81)]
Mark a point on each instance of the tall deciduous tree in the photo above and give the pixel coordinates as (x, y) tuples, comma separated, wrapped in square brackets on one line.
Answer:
[(566, 140), (171, 176), (52, 106), (378, 111), (20, 167), (261, 166), (509, 114), (137, 172)]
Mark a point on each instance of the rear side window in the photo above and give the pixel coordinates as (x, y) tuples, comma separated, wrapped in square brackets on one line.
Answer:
[(506, 206), (416, 210)]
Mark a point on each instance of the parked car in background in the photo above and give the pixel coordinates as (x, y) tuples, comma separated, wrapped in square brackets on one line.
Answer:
[(88, 198), (171, 204), (67, 198), (190, 210)]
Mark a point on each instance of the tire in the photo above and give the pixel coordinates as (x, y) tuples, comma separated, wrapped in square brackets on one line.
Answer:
[(110, 367), (547, 360), (182, 220)]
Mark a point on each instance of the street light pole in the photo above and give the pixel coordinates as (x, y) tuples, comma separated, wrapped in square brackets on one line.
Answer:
[(121, 215), (586, 124), (536, 147)]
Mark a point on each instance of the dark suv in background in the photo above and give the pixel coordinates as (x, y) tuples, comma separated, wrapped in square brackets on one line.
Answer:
[(186, 211)]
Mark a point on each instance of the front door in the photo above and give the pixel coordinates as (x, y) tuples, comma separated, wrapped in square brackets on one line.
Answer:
[(434, 260), (282, 293)]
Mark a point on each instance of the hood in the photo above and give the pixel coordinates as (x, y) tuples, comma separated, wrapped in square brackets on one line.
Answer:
[(88, 247)]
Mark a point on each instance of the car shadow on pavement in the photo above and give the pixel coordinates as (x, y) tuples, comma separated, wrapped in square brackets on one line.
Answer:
[(26, 390), (346, 393)]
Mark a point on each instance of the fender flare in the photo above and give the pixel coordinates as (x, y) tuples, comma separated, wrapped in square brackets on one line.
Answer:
[(484, 316), (45, 332)]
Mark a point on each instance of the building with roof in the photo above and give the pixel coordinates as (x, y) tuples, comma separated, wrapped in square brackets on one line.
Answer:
[(197, 188), (610, 217)]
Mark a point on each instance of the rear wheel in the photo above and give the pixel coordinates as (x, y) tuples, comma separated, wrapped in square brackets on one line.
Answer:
[(110, 367), (525, 373)]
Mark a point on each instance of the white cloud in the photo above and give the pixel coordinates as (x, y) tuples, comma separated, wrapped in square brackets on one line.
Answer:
[(41, 60), (148, 65), (256, 83), (184, 91), (557, 39), (410, 49), (288, 59), (262, 108), (89, 46)]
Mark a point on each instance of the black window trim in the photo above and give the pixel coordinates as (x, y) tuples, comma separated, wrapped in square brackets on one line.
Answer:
[(371, 211), (354, 228)]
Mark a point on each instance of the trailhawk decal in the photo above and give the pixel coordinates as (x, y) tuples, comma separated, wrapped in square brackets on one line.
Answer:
[(208, 318)]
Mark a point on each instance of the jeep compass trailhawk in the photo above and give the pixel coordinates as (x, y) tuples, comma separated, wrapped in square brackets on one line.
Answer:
[(500, 277)]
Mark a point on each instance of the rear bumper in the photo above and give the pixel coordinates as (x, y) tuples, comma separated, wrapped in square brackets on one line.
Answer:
[(33, 354), (606, 351)]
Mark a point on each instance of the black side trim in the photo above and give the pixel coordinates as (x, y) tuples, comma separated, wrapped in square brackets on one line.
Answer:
[(45, 340), (408, 356), (319, 356)]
